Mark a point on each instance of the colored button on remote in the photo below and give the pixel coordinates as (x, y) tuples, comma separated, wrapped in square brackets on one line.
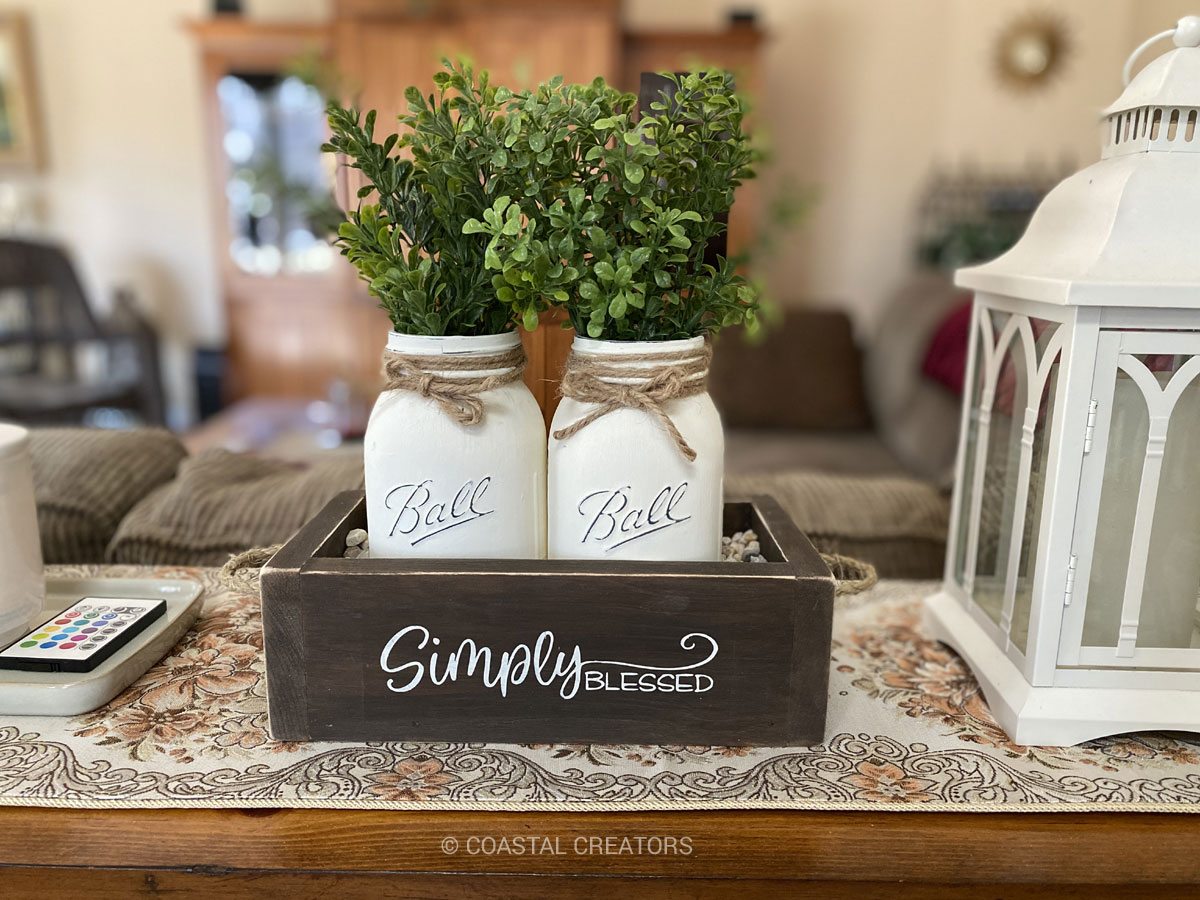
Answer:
[(48, 645), (28, 643), (109, 616)]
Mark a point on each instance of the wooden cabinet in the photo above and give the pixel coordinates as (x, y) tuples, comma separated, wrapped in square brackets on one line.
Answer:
[(295, 334)]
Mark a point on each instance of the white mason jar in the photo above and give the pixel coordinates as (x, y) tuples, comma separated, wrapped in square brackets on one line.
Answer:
[(22, 588), (438, 488), (620, 487)]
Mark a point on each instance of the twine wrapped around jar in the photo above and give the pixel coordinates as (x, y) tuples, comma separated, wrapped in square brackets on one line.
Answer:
[(657, 379), (458, 397)]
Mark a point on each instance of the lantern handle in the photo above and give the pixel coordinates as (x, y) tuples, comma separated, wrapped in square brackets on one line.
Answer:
[(1186, 33)]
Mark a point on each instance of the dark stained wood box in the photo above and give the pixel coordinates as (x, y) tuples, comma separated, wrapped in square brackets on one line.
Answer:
[(577, 651)]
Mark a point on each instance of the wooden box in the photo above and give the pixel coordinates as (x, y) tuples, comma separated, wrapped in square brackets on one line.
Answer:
[(540, 651)]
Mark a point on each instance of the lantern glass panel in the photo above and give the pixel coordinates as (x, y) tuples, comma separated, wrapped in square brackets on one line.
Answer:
[(1173, 563), (969, 452), (997, 502), (1149, 579), (1032, 532), (1005, 461)]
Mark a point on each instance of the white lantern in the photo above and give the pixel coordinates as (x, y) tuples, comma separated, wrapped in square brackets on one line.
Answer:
[(1073, 569)]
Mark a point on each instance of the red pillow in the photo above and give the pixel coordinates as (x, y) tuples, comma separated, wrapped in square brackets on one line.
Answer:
[(946, 358)]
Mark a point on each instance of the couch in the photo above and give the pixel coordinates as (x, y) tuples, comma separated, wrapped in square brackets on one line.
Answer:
[(807, 420)]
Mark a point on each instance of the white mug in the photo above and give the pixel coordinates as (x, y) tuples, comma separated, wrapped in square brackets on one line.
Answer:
[(22, 588)]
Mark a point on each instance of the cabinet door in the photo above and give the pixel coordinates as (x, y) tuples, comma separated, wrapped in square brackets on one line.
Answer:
[(1137, 535)]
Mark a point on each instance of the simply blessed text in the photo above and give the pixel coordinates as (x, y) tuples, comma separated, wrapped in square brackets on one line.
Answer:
[(413, 655)]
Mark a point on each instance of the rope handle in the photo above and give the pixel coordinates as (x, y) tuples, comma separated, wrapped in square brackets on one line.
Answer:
[(1186, 33)]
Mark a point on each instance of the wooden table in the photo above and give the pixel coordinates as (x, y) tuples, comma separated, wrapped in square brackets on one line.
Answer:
[(341, 853)]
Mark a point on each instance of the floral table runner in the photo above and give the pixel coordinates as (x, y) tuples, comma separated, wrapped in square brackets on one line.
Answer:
[(908, 730)]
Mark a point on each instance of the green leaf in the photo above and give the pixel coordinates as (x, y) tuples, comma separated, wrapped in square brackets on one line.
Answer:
[(529, 319), (604, 270), (500, 158), (589, 291), (473, 226), (634, 172)]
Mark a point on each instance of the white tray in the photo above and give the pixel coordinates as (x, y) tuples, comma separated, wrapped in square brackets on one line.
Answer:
[(72, 693)]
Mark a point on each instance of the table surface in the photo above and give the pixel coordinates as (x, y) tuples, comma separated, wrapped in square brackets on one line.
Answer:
[(330, 853), (315, 852)]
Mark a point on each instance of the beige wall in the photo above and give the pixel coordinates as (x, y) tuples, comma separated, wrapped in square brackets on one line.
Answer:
[(867, 96), (864, 97)]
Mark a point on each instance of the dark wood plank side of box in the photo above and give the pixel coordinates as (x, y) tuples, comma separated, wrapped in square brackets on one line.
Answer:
[(282, 613), (551, 651)]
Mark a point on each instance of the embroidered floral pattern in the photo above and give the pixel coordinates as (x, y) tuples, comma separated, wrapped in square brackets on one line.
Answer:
[(909, 730)]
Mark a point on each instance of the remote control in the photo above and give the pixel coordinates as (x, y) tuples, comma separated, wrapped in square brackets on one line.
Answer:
[(83, 636)]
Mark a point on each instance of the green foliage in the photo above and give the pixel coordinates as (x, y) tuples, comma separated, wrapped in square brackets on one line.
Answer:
[(411, 244), (615, 213), (494, 205)]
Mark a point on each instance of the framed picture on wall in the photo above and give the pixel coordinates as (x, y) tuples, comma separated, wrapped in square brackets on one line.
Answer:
[(20, 135)]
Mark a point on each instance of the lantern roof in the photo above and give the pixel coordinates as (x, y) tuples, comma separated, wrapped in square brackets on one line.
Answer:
[(1122, 232)]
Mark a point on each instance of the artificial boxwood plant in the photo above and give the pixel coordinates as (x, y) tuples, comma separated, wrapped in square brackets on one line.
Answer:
[(615, 211), (448, 164)]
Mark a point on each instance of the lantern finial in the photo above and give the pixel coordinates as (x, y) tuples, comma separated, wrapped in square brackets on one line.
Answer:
[(1187, 32)]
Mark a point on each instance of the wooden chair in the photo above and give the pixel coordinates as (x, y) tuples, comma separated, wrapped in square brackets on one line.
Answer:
[(57, 359)]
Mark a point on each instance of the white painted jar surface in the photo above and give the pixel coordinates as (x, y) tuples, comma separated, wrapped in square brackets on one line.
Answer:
[(620, 488), (22, 588), (438, 488)]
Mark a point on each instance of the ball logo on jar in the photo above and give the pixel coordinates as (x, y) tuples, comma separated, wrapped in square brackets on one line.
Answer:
[(614, 520), (420, 515)]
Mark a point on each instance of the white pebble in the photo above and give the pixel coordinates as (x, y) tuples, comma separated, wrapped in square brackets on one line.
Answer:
[(356, 537), (753, 548), (353, 553)]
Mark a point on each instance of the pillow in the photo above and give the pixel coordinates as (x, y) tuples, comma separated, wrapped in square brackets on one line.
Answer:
[(85, 480), (806, 373), (917, 417), (946, 358), (222, 503), (897, 524)]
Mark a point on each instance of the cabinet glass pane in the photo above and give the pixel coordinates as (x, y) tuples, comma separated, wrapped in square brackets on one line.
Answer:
[(279, 188)]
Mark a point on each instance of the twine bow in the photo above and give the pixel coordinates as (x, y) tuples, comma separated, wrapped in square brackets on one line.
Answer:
[(458, 397), (669, 376)]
